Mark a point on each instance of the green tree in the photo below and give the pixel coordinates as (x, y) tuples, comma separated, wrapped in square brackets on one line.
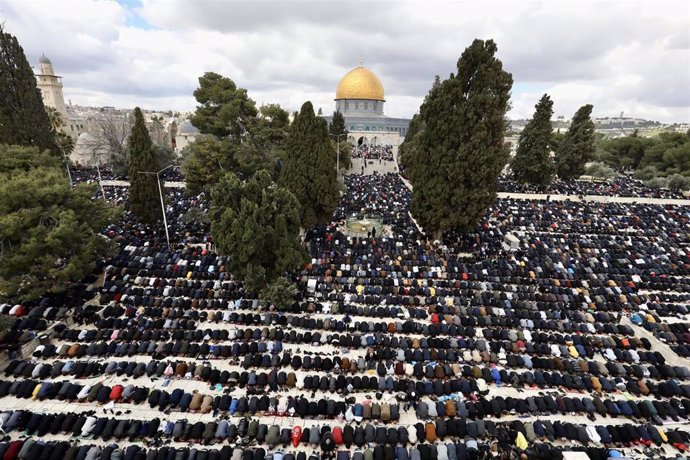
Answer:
[(224, 109), (599, 170), (657, 182), (406, 157), (280, 294), (338, 133), (556, 140), (23, 117), (532, 162), (257, 224), (48, 230), (54, 118), (246, 140), (143, 190), (65, 143), (656, 155), (678, 182), (205, 161), (456, 149), (578, 146), (646, 173), (625, 152), (250, 158), (345, 149), (309, 170), (337, 126)]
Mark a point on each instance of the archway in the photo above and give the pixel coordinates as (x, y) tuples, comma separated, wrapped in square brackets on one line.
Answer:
[(375, 141), (362, 141)]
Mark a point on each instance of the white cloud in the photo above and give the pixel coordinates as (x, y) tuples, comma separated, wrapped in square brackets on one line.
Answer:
[(618, 56)]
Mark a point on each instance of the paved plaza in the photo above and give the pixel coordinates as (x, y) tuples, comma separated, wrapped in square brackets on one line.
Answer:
[(399, 347)]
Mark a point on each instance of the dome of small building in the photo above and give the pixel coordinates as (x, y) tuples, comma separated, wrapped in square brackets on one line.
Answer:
[(360, 83), (44, 60), (186, 128)]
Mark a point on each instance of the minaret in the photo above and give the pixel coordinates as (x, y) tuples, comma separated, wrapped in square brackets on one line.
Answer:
[(51, 87)]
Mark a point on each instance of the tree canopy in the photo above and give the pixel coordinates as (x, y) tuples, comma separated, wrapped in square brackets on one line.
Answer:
[(626, 152), (338, 133), (23, 117), (532, 162), (454, 150), (661, 156), (309, 171), (280, 294), (337, 126), (205, 161), (578, 145), (144, 200), (235, 135), (48, 230), (257, 224), (224, 109)]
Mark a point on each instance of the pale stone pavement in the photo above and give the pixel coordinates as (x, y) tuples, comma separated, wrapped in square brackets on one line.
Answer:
[(144, 412)]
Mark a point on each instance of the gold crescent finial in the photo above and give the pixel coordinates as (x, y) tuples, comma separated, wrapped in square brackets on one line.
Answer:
[(361, 60)]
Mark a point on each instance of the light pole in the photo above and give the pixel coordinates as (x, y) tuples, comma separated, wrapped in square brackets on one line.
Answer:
[(66, 158), (100, 181), (160, 191), (337, 158)]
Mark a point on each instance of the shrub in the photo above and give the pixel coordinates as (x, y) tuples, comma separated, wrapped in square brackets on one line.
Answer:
[(678, 182), (646, 173), (658, 182), (599, 170)]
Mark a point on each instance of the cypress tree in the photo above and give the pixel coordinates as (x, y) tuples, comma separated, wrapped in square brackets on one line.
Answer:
[(337, 126), (309, 170), (257, 224), (144, 198), (533, 163), (578, 145), (456, 150), (23, 117), (338, 133)]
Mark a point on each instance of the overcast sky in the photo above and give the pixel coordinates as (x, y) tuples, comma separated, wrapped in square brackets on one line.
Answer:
[(619, 56)]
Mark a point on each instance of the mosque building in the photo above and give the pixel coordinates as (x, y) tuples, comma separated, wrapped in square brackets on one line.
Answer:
[(359, 96), (51, 92)]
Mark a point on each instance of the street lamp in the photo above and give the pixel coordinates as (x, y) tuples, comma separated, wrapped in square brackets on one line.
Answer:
[(66, 158), (100, 181), (160, 191), (337, 158)]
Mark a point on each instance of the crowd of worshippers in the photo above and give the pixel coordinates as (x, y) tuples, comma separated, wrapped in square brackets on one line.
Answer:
[(472, 404), (130, 231), (430, 328), (372, 152), (430, 440), (89, 174), (330, 445), (619, 186)]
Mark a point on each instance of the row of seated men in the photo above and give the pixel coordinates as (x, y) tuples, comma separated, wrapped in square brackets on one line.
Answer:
[(674, 409), (470, 450)]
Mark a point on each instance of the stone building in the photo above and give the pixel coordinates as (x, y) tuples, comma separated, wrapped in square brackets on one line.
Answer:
[(185, 134), (51, 91)]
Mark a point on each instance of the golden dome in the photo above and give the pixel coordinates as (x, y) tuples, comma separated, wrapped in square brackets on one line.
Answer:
[(360, 83)]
